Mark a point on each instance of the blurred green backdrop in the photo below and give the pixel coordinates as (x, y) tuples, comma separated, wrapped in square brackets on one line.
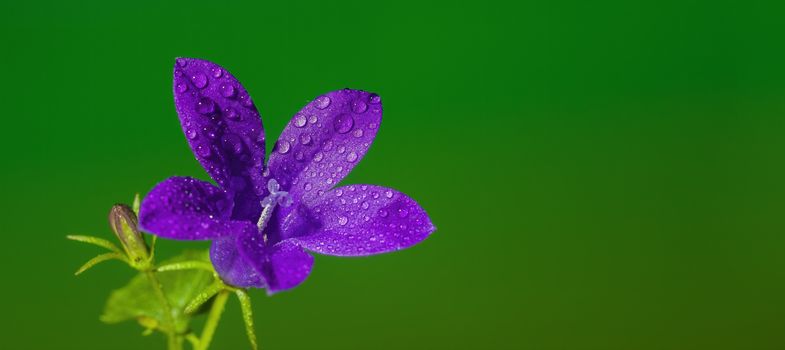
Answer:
[(604, 175)]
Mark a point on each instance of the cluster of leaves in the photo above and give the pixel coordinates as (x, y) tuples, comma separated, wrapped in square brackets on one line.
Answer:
[(164, 297)]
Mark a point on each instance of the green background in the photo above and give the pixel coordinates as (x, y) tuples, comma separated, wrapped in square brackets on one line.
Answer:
[(602, 175)]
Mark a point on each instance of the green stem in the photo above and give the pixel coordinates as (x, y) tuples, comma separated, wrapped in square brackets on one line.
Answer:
[(193, 339), (171, 332), (213, 318)]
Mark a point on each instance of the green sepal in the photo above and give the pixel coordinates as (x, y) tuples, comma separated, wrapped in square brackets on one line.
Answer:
[(186, 265), (153, 241), (245, 306), (136, 204), (138, 300), (196, 303), (95, 241), (99, 259)]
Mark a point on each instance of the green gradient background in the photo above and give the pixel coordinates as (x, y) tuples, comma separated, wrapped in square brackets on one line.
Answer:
[(603, 175)]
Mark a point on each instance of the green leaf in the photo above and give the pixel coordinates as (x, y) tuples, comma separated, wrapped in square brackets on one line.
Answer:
[(95, 241), (137, 300)]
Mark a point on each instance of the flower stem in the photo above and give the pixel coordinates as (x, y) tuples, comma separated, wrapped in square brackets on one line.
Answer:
[(171, 333), (213, 318)]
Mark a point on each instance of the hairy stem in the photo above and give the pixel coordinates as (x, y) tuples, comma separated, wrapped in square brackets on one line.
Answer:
[(213, 318), (171, 332)]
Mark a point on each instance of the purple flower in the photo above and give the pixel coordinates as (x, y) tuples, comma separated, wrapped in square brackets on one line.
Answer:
[(262, 219)]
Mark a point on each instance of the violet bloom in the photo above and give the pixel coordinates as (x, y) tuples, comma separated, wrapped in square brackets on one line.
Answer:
[(263, 219)]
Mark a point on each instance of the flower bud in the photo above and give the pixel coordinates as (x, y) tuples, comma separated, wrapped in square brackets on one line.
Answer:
[(125, 226)]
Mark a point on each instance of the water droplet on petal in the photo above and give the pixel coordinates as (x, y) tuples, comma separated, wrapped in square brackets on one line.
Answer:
[(203, 151), (388, 194), (375, 195), (232, 143), (383, 213), (181, 62), (322, 102), (374, 99), (403, 212), (199, 79), (359, 106), (343, 123), (205, 106), (305, 139), (307, 186), (299, 156), (313, 119), (182, 87), (341, 149), (365, 205), (231, 113), (300, 120), (318, 157), (210, 131), (342, 220), (246, 100), (372, 126), (358, 133), (283, 146), (227, 90), (351, 157), (218, 72), (338, 192), (191, 134)]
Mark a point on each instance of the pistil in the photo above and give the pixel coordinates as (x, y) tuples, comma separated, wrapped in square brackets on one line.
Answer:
[(269, 203)]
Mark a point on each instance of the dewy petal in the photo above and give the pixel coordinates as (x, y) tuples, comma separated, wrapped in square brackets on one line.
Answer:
[(324, 141), (232, 266), (188, 209), (221, 124), (362, 220), (283, 265)]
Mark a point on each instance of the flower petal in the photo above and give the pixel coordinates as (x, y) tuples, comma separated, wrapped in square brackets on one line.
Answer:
[(360, 220), (232, 266), (188, 209), (283, 265), (324, 141), (221, 124)]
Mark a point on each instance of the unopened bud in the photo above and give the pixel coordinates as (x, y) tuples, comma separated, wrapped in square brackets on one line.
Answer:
[(125, 225)]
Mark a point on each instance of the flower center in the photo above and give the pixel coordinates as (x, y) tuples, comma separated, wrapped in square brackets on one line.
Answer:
[(275, 197)]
